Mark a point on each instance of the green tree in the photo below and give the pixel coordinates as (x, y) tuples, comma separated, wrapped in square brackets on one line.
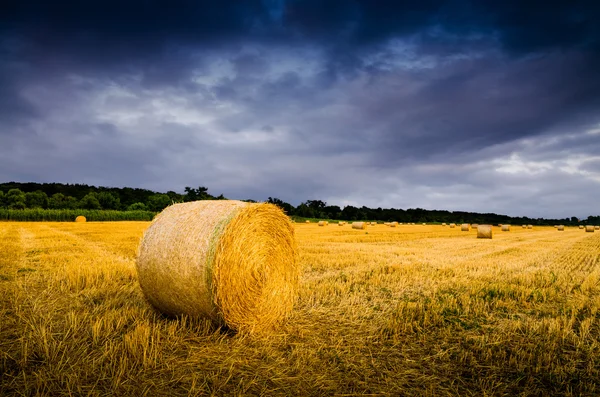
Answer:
[(201, 193), (137, 207), (158, 202), (108, 201), (60, 202), (90, 202), (15, 199), (288, 208), (2, 199), (37, 199)]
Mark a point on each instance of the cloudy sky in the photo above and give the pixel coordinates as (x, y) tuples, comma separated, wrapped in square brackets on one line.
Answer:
[(453, 105)]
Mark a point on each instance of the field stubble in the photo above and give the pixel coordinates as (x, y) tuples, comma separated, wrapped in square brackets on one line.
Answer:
[(412, 310)]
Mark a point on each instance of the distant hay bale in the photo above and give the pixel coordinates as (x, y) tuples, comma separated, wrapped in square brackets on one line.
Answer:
[(506, 228), (484, 231), (307, 221), (474, 225), (529, 226), (444, 224), (452, 225), (560, 228), (597, 227), (393, 224), (230, 261), (323, 223), (524, 226), (359, 225), (581, 226), (464, 227), (341, 223), (373, 223), (555, 226), (589, 229), (424, 224), (81, 218)]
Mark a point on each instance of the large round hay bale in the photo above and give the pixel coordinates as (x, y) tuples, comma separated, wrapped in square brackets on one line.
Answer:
[(560, 228), (589, 229), (452, 225), (230, 261), (484, 231), (359, 225), (81, 218), (464, 227), (529, 226), (597, 227), (506, 228), (323, 223)]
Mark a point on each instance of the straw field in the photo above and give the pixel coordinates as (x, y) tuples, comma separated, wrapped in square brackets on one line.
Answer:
[(412, 310)]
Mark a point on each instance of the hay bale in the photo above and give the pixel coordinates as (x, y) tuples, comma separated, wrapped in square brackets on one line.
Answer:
[(81, 218), (484, 231), (341, 223), (474, 225), (506, 228), (597, 227), (529, 226), (307, 221), (452, 225), (323, 223), (393, 224), (464, 227), (373, 223), (560, 228), (444, 224), (424, 224), (580, 226), (359, 225), (524, 226), (589, 229), (230, 261)]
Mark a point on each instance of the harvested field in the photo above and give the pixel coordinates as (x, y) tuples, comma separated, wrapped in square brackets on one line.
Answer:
[(414, 310)]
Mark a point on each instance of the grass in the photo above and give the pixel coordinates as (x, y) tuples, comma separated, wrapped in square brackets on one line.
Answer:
[(50, 215), (412, 310)]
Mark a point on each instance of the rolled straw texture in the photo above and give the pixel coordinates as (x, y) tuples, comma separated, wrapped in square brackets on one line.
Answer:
[(529, 226), (484, 231), (581, 226), (230, 261), (80, 218), (589, 229), (560, 228), (597, 227), (506, 228), (464, 227), (452, 225), (359, 225), (322, 223)]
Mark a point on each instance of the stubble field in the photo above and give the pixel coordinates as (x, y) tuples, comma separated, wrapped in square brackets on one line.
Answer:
[(412, 310)]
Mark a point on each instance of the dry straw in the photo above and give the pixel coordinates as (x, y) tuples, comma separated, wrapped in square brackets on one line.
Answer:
[(506, 228), (524, 226), (589, 229), (230, 261), (529, 226), (484, 231), (444, 224), (597, 227), (359, 225), (307, 221), (80, 218), (581, 226), (560, 228), (323, 223), (452, 225), (373, 223), (464, 227), (474, 226), (394, 224), (341, 223)]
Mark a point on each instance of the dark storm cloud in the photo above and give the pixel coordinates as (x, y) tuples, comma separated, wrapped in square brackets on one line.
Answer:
[(461, 105)]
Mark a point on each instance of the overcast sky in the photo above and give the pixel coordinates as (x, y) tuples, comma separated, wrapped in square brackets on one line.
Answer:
[(451, 105)]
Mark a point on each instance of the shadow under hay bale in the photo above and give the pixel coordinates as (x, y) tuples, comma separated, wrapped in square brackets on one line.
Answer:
[(484, 231), (232, 262)]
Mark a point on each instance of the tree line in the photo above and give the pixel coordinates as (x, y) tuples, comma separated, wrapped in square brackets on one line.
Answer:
[(14, 196)]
